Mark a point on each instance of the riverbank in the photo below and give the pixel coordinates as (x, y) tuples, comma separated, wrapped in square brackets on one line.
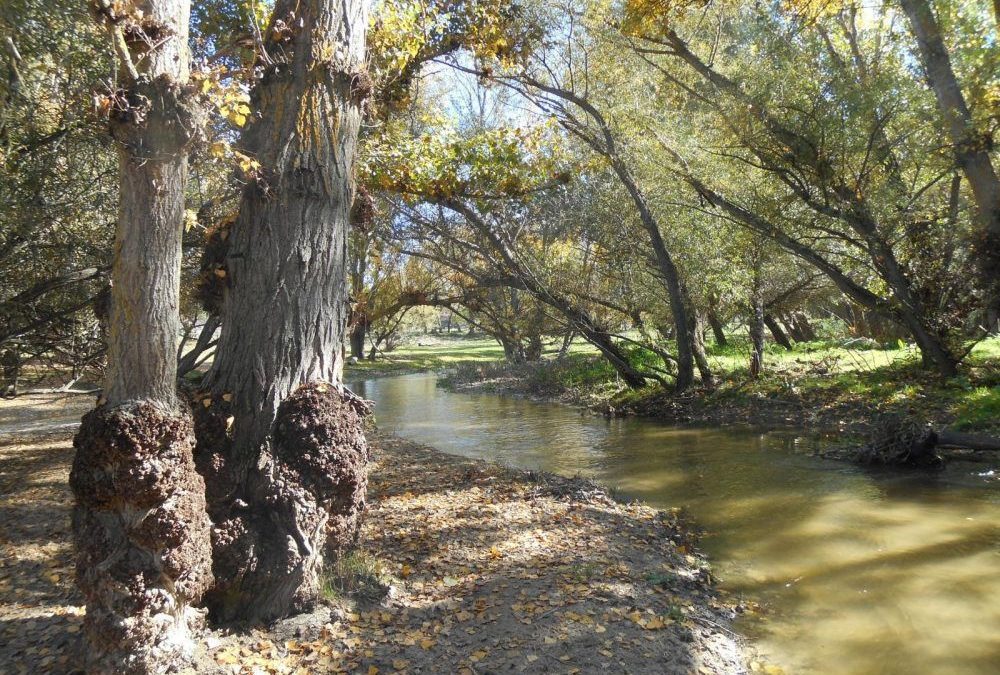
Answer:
[(464, 567), (824, 388)]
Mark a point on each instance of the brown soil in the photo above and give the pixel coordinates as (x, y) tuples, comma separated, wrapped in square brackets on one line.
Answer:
[(464, 567)]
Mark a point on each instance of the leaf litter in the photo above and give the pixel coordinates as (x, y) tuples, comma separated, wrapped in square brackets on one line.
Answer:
[(464, 567)]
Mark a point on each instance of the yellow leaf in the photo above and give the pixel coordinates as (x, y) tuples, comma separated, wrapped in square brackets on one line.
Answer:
[(218, 149), (226, 658), (654, 624), (372, 670), (405, 571)]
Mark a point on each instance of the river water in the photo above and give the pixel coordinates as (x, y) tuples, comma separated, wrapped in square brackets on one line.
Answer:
[(856, 571)]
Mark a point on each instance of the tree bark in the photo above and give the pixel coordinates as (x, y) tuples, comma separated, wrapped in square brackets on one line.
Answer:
[(776, 332), (972, 147), (139, 522), (804, 326), (698, 348), (279, 357), (680, 303), (789, 327), (717, 331), (357, 338), (756, 327)]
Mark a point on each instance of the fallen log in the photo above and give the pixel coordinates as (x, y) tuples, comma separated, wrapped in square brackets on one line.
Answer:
[(955, 439), (898, 441)]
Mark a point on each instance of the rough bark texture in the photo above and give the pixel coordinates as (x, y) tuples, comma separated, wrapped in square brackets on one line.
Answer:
[(141, 535), (152, 120), (304, 497), (776, 332), (972, 147), (284, 317), (287, 301), (139, 523)]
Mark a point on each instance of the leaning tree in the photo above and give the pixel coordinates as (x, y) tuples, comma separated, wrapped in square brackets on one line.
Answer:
[(139, 521)]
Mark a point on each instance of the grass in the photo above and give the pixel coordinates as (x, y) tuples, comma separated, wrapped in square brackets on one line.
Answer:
[(430, 353), (978, 409), (841, 376), (439, 352), (356, 574)]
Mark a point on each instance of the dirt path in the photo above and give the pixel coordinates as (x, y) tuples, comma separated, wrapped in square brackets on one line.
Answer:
[(464, 568)]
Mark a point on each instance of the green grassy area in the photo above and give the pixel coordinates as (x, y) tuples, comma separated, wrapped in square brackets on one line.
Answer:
[(833, 379), (438, 352)]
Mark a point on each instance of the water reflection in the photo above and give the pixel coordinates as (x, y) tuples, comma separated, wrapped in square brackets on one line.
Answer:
[(862, 572)]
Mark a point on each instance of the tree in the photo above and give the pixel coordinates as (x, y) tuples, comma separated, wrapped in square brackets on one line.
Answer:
[(58, 184), (139, 521), (834, 161), (971, 146), (280, 442)]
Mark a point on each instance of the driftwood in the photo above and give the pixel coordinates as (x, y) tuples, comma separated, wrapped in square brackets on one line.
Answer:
[(898, 441), (955, 439)]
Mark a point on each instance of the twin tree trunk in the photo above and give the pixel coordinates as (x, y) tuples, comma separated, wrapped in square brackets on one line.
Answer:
[(139, 521), (281, 445)]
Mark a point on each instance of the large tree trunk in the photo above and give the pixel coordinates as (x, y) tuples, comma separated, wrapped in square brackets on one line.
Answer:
[(717, 331), (359, 332), (972, 147), (756, 327), (680, 304), (295, 456), (777, 332), (139, 522), (698, 348)]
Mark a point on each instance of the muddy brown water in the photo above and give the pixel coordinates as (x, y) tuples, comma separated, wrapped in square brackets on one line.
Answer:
[(856, 571)]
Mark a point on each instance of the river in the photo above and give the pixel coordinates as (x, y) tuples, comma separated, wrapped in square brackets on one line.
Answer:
[(856, 571)]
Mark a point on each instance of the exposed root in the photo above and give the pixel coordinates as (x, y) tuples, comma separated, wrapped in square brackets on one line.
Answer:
[(898, 441)]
